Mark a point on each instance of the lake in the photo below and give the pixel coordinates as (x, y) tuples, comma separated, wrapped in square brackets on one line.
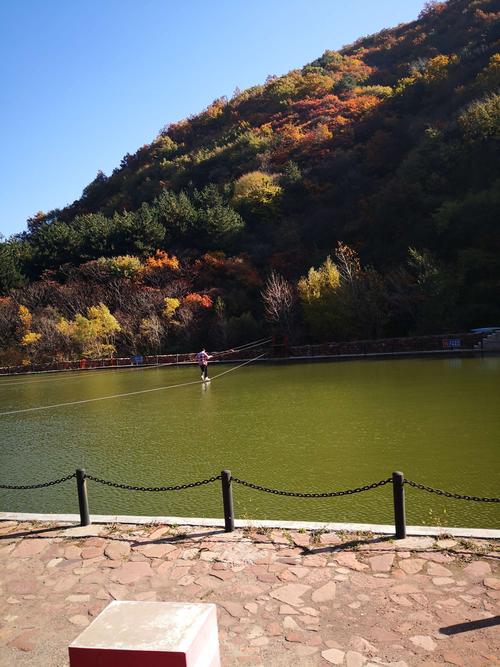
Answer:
[(302, 427)]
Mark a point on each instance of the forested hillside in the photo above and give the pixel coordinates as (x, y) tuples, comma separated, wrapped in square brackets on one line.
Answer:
[(356, 197)]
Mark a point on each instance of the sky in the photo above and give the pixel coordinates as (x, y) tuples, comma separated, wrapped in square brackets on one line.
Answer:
[(84, 82)]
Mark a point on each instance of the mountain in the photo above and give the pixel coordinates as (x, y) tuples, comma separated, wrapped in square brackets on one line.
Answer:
[(389, 146)]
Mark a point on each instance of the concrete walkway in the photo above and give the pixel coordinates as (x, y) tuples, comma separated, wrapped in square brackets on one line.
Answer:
[(283, 598)]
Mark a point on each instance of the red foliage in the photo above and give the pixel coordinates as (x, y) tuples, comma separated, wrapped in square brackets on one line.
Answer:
[(202, 300)]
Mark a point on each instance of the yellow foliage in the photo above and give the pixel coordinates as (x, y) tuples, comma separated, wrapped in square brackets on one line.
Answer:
[(171, 305), (322, 133), (25, 316), (256, 187), (490, 76), (92, 335), (319, 281), (404, 83), (30, 338), (436, 68), (125, 266)]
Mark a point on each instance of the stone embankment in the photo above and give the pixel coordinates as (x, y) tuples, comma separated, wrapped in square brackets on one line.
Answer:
[(283, 598)]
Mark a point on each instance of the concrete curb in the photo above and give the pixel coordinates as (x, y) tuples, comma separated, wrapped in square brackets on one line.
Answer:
[(380, 529)]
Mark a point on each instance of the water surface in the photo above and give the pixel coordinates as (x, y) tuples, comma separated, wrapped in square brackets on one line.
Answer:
[(303, 427)]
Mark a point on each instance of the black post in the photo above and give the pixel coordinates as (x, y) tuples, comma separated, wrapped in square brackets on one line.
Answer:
[(227, 499), (83, 500), (398, 489)]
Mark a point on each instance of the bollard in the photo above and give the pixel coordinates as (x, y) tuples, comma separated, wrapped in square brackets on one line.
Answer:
[(83, 501), (227, 499), (398, 480)]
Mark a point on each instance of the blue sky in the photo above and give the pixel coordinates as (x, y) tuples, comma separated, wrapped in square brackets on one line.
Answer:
[(86, 81)]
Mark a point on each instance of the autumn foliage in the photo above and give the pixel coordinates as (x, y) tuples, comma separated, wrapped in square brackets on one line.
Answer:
[(389, 146)]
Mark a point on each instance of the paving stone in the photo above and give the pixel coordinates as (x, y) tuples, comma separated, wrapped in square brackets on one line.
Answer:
[(91, 552), (325, 593), (304, 651), (301, 540), (84, 531), (7, 527), (363, 645), (286, 609), (412, 565), (354, 659), (274, 629), (314, 561), (290, 594), (386, 606), (78, 598), (65, 583), (446, 543), (423, 641), (454, 658), (383, 635), (155, 550), (290, 624), (29, 547), (117, 550), (159, 532), (442, 581), (234, 609), (72, 552), (477, 570), (25, 641), (131, 572), (436, 570), (349, 560), (80, 620), (329, 539), (401, 600), (405, 589), (334, 656), (381, 563)]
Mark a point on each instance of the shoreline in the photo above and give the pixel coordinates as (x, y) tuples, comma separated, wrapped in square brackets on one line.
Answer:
[(315, 526), (372, 356)]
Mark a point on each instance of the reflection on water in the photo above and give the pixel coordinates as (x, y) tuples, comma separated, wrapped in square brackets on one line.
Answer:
[(307, 427)]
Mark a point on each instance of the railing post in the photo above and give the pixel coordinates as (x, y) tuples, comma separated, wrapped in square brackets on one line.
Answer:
[(83, 501), (398, 490), (227, 499)]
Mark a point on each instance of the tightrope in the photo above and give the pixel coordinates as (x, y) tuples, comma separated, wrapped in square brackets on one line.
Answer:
[(112, 370), (130, 393)]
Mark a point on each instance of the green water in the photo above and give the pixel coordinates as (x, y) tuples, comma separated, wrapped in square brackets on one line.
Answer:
[(307, 427)]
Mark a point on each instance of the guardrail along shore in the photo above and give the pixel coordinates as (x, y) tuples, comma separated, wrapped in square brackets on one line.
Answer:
[(397, 479), (443, 343)]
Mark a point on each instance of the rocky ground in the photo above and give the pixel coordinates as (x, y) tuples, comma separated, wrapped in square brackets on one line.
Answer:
[(282, 598)]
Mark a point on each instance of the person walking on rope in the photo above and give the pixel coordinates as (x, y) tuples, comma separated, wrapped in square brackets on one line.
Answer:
[(202, 359)]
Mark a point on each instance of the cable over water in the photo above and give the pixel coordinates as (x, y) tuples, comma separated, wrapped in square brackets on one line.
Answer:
[(130, 393), (113, 370)]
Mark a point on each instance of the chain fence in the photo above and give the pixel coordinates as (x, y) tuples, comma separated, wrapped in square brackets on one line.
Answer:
[(297, 494), (397, 480), (255, 487), (450, 494), (154, 489), (42, 485)]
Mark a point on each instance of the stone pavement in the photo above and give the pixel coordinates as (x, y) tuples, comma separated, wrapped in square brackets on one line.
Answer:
[(283, 598)]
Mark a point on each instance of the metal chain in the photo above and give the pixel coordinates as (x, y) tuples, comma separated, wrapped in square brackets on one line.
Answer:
[(39, 486), (449, 494), (295, 494), (129, 487)]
